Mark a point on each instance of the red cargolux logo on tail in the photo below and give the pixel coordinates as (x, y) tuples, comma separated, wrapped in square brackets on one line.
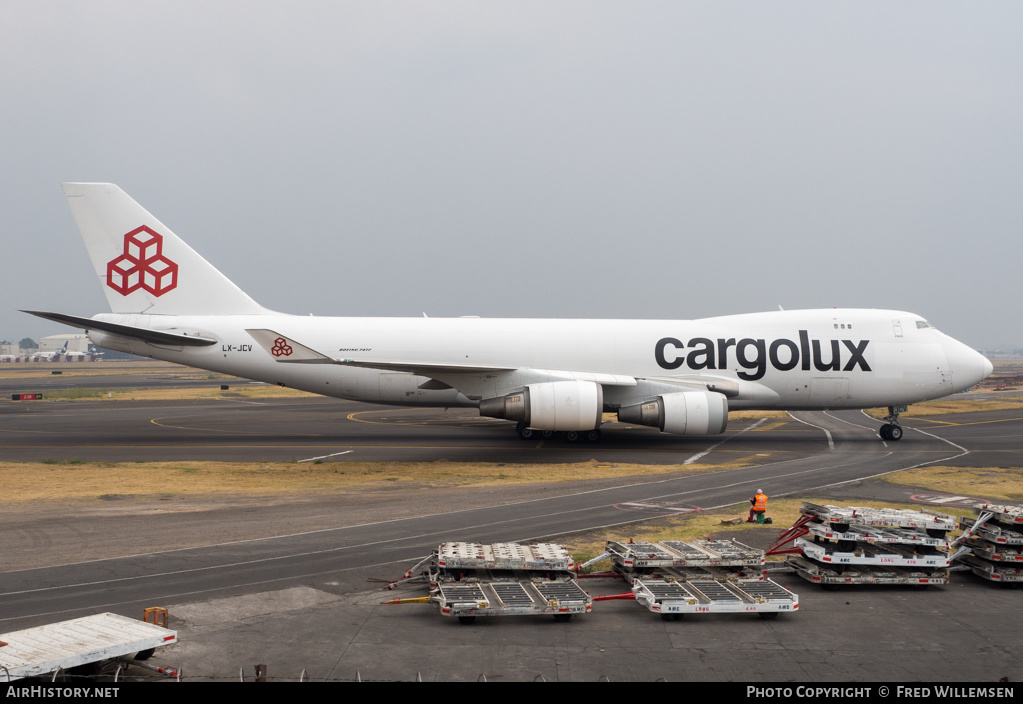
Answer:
[(281, 347), (142, 265)]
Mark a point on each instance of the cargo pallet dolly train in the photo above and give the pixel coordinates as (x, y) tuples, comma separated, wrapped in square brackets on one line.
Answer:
[(674, 578), (467, 580), (835, 545), (992, 544)]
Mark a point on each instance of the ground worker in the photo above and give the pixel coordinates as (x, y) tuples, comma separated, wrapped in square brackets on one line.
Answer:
[(759, 506)]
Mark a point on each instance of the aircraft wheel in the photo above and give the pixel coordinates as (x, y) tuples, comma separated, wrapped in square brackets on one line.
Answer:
[(883, 431), (592, 436), (546, 434), (895, 432), (572, 436), (526, 433)]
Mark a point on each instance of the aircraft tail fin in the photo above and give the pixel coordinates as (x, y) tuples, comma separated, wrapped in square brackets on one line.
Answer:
[(142, 266)]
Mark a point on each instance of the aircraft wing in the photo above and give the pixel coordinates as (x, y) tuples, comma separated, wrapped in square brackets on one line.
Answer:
[(286, 350), (433, 369)]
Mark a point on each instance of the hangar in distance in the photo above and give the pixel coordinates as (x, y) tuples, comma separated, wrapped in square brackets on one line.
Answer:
[(548, 375)]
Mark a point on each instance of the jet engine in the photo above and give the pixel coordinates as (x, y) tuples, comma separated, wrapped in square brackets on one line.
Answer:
[(553, 405), (683, 413)]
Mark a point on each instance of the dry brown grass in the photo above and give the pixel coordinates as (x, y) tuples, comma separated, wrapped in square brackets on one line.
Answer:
[(70, 479), (36, 370), (187, 394), (995, 483), (955, 404), (756, 415)]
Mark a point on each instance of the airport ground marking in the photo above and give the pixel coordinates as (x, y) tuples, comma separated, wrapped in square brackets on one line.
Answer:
[(698, 455), (831, 442), (946, 423), (312, 459)]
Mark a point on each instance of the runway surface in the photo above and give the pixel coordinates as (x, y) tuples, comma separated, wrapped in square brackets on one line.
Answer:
[(290, 429), (295, 576)]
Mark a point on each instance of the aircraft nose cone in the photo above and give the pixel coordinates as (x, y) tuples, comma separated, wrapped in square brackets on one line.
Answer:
[(968, 366)]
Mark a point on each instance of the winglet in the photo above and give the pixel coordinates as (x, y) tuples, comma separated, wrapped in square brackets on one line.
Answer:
[(284, 349)]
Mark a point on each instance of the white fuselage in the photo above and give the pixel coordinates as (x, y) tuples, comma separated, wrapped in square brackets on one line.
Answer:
[(817, 359)]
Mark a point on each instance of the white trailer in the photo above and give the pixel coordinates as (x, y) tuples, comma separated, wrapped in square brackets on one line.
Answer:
[(504, 556), (993, 532), (889, 555), (992, 544), (843, 517), (628, 557), (1003, 573), (672, 598), (834, 575), (872, 534), (511, 597), (82, 641)]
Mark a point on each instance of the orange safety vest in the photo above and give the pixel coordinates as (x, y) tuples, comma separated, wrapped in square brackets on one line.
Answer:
[(760, 502)]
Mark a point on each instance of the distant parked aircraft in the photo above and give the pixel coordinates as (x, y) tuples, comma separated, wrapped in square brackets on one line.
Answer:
[(50, 356)]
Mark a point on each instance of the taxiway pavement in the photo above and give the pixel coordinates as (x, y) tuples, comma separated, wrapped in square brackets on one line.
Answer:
[(298, 599)]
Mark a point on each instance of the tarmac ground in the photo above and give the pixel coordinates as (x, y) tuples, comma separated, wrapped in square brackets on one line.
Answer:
[(285, 582)]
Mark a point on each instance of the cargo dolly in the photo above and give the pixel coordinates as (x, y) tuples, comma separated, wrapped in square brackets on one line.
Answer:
[(508, 556), (713, 559), (863, 553), (467, 580), (673, 599), (511, 597), (834, 575), (673, 578), (834, 545), (936, 525), (871, 534), (992, 544)]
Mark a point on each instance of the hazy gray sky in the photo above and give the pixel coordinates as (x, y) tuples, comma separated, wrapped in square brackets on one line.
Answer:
[(556, 159)]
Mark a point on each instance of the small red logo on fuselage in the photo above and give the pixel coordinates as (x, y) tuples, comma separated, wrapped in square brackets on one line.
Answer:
[(142, 265), (281, 348)]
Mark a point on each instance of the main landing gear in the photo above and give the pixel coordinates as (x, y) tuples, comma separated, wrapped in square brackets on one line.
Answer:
[(891, 430), (527, 433)]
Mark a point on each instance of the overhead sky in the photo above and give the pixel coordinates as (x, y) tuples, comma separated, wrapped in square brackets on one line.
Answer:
[(530, 159)]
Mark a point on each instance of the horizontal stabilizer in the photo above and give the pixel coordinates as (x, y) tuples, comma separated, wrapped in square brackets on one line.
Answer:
[(159, 337)]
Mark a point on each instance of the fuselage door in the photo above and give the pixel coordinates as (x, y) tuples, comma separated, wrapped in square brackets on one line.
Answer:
[(828, 390)]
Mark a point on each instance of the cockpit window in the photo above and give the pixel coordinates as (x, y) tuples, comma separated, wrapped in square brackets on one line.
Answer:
[(920, 324)]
